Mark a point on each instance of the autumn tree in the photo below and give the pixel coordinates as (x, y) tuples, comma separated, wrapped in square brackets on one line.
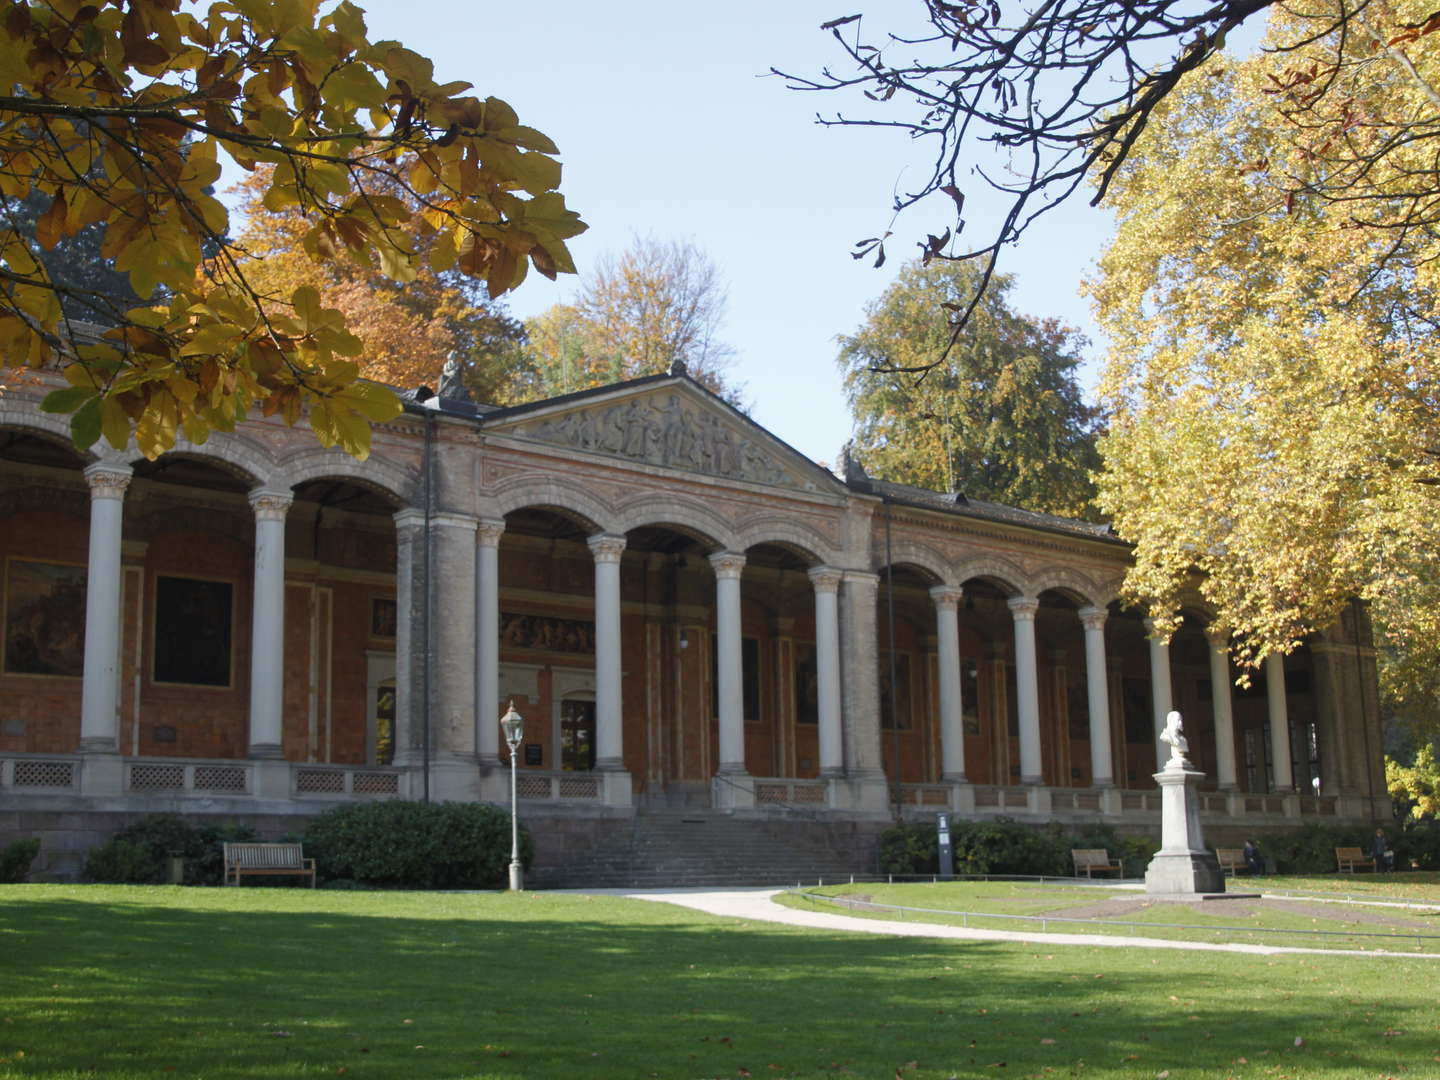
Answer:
[(1274, 375), (116, 112), (1001, 419), (409, 328), (636, 314)]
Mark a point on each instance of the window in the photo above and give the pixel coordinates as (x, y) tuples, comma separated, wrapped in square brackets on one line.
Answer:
[(44, 618), (192, 631), (577, 735), (807, 685), (901, 697)]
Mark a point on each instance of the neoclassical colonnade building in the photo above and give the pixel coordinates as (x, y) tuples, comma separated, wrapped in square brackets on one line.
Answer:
[(688, 613)]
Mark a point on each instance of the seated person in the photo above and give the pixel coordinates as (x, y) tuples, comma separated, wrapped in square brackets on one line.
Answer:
[(1253, 859)]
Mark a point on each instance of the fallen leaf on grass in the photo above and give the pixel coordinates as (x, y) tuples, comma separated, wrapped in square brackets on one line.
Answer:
[(1299, 1041), (281, 1035), (1047, 1042)]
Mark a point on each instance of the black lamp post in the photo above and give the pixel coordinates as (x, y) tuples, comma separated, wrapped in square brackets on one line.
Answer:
[(513, 725)]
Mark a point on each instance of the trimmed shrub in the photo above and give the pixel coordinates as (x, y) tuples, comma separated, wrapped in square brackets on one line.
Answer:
[(1004, 846), (15, 860), (1417, 844), (413, 845), (139, 854), (1310, 849)]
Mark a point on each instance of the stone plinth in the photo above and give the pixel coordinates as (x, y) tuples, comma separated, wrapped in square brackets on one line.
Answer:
[(1182, 865)]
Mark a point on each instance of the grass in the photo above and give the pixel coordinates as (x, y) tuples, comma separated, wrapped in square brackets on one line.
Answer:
[(128, 982), (1290, 920)]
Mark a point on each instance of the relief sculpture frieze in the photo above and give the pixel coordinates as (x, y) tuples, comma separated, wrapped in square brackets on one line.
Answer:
[(667, 432)]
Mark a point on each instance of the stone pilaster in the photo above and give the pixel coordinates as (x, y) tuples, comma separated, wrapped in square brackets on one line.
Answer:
[(487, 642), (409, 634)]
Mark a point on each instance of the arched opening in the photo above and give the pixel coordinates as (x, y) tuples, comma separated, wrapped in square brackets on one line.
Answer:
[(908, 667), (987, 678)]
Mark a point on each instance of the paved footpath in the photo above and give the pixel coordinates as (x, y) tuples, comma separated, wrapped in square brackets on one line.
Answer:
[(759, 904)]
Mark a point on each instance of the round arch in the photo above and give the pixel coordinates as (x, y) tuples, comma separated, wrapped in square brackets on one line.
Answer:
[(681, 514), (806, 542), (1071, 583), (48, 426), (909, 552), (238, 455), (386, 478), (545, 491), (1007, 576)]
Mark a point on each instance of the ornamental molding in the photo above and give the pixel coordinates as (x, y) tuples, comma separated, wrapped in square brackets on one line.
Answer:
[(672, 429)]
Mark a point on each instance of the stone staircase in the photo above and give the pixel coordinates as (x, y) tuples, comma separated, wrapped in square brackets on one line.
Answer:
[(665, 848)]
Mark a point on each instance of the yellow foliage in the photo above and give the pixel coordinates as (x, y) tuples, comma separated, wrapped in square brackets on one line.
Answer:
[(116, 111), (1273, 372)]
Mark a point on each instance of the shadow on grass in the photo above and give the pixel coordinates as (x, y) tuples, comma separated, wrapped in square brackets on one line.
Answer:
[(209, 983)]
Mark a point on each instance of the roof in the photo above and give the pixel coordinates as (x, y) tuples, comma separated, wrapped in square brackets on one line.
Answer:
[(962, 506)]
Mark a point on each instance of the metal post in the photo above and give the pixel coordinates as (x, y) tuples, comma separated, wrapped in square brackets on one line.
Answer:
[(513, 725)]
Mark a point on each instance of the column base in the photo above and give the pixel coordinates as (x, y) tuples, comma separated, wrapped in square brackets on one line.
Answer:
[(1184, 872), (265, 751), (102, 774), (272, 777), (99, 744), (609, 764), (732, 790), (455, 779)]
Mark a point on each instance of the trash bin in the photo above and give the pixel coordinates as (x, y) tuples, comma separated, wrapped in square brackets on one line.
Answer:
[(177, 870)]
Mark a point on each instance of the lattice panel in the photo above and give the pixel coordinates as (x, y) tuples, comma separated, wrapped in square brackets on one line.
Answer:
[(44, 774), (987, 798), (1087, 802), (533, 787), (1254, 806), (1132, 802), (219, 778), (579, 787), (935, 797), (157, 777), (808, 794), (320, 782), (771, 793), (375, 783)]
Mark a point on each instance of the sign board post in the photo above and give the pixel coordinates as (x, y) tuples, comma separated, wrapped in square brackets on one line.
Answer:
[(947, 855)]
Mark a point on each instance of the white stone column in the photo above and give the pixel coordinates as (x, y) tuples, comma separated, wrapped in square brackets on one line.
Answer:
[(267, 624), (1097, 687), (609, 719), (487, 642), (1027, 687), (100, 687), (1279, 723), (452, 661), (1223, 708), (827, 669), (1162, 695), (947, 644), (729, 669)]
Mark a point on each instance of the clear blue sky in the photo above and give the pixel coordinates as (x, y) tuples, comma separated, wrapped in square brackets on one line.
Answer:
[(667, 128)]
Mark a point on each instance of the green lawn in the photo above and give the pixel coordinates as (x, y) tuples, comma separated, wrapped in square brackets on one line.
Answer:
[(124, 983), (1293, 918)]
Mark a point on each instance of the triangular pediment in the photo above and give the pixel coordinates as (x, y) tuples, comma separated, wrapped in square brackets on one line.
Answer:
[(666, 422)]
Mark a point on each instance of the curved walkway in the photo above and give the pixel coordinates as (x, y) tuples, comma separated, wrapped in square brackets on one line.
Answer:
[(759, 904)]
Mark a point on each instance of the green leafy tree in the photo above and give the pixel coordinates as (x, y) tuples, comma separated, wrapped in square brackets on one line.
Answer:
[(1415, 787), (1001, 419), (637, 313)]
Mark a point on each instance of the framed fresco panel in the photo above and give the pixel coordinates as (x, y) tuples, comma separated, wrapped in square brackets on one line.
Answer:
[(193, 631), (44, 618), (382, 616)]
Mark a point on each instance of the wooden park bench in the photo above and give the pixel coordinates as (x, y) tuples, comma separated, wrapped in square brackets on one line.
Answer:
[(1090, 860), (1231, 860), (241, 859), (1350, 859)]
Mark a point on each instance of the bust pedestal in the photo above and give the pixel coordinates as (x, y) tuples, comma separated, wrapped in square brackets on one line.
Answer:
[(1183, 864)]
